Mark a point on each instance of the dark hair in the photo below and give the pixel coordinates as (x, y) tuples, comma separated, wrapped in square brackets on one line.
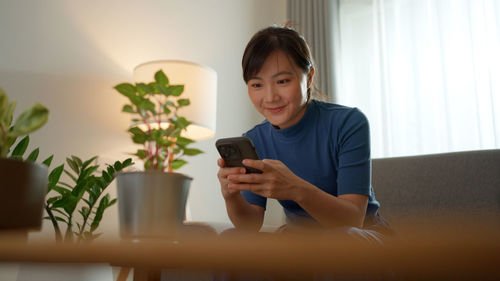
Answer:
[(271, 39)]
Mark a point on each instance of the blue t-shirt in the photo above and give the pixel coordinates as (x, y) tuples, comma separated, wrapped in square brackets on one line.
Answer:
[(329, 147)]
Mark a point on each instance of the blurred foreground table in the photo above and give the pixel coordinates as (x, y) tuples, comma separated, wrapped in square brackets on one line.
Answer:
[(456, 253)]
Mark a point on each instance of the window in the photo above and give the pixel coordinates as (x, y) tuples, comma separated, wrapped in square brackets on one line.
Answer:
[(425, 72)]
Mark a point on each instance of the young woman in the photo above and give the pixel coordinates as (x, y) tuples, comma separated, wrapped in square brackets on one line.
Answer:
[(316, 155)]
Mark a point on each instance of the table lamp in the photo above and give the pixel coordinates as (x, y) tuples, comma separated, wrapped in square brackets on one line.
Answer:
[(200, 87)]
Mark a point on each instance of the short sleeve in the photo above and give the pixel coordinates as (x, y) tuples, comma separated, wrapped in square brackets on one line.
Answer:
[(254, 199), (354, 162)]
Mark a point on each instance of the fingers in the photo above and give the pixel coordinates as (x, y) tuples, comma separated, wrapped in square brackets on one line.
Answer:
[(225, 172), (259, 189), (245, 178), (241, 186), (257, 164)]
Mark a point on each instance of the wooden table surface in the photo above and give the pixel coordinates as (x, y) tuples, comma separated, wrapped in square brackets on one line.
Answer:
[(451, 254)]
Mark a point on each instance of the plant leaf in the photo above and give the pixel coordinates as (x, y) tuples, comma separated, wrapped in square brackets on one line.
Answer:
[(175, 90), (31, 119), (176, 164), (60, 212), (141, 153), (180, 122), (70, 175), (86, 163), (183, 102), (8, 114), (117, 166), (87, 201), (66, 185), (48, 161), (128, 108), (33, 155), (21, 148), (111, 170), (147, 105), (191, 151), (52, 200), (112, 202), (59, 189), (4, 104), (85, 211), (88, 172), (126, 89), (77, 160), (54, 176), (67, 202), (103, 204), (154, 87), (183, 141), (143, 89), (166, 110), (139, 139), (61, 219), (136, 131), (161, 78), (72, 164), (106, 177)]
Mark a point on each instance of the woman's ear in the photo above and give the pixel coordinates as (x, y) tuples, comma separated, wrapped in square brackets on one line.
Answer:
[(310, 77)]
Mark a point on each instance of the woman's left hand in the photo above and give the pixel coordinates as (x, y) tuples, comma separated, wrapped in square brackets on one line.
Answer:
[(276, 180)]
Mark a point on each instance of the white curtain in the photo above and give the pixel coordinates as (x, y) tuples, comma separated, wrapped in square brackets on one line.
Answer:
[(425, 72)]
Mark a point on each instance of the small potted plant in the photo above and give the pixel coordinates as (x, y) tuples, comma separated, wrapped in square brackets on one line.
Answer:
[(79, 203), (152, 203), (23, 183)]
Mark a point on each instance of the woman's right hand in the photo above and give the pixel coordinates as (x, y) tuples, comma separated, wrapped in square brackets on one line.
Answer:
[(223, 173)]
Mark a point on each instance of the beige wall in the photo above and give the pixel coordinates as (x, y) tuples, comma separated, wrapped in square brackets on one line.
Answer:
[(69, 54)]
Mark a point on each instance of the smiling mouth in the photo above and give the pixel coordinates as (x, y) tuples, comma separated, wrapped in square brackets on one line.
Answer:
[(275, 109)]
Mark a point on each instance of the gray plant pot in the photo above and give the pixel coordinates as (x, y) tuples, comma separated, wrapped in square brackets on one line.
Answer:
[(23, 186), (151, 204)]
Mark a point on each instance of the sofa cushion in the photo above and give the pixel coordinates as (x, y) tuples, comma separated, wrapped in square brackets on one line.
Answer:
[(448, 185)]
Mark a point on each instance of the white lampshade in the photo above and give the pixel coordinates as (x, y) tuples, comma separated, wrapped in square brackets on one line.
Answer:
[(200, 87)]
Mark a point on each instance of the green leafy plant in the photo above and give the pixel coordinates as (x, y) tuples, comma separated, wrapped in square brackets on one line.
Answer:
[(83, 193), (153, 105), (30, 120)]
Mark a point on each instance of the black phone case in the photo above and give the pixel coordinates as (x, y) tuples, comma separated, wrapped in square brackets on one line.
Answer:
[(234, 150)]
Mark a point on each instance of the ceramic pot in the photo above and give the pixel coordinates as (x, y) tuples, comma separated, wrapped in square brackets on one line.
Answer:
[(151, 204), (23, 186)]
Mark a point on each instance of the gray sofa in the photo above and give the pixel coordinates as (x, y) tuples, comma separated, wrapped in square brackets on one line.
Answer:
[(428, 190), (456, 187)]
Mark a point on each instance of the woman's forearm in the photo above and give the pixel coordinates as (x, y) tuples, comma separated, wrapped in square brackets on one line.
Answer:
[(329, 210), (242, 214)]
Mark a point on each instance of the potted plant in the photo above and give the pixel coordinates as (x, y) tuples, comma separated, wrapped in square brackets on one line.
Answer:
[(23, 183), (152, 202), (80, 203)]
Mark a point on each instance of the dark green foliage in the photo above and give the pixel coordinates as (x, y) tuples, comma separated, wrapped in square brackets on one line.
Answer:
[(154, 104), (30, 120), (86, 192)]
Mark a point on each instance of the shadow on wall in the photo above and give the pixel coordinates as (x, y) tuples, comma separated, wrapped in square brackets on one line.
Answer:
[(85, 112)]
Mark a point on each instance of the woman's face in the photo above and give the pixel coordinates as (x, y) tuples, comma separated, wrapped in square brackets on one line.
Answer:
[(279, 90)]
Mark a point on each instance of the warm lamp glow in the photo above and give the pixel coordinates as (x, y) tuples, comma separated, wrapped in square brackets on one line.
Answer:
[(193, 131), (200, 87)]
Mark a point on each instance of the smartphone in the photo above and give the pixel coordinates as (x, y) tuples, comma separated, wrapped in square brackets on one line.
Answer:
[(234, 150)]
